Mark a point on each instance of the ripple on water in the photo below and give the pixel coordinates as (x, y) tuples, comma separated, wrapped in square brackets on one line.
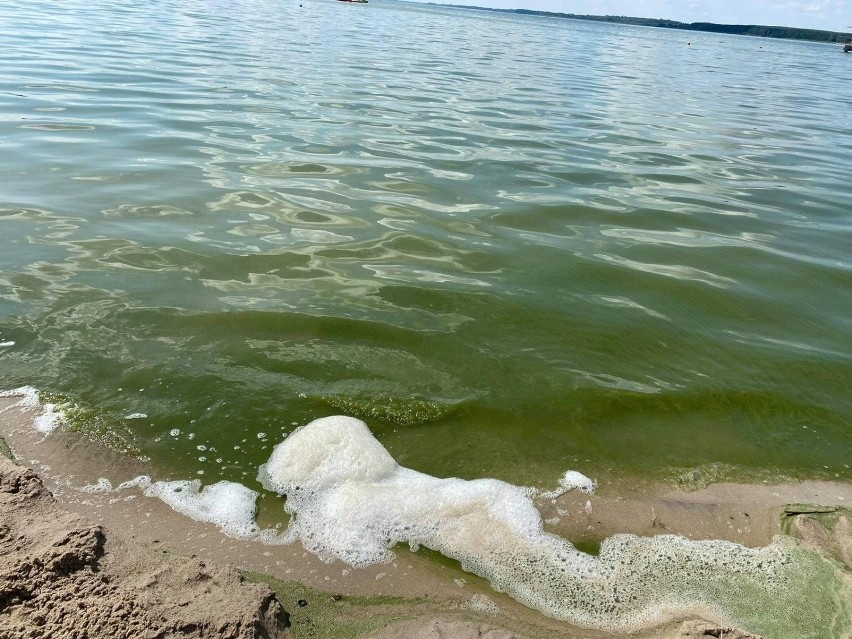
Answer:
[(538, 231)]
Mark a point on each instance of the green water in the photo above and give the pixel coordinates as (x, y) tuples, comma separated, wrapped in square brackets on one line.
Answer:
[(512, 245)]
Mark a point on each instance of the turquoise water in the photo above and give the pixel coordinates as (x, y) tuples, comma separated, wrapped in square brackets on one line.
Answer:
[(513, 245)]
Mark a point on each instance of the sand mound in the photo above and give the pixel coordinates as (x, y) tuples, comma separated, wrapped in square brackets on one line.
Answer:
[(61, 576)]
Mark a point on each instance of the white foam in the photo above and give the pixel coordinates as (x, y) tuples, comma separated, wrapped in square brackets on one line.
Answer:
[(329, 451), (351, 501), (142, 481), (136, 416), (7, 343), (50, 418), (571, 480), (27, 394), (102, 486), (229, 505), (482, 603)]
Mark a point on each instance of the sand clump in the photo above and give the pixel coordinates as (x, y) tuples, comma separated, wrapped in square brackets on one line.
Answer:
[(62, 576)]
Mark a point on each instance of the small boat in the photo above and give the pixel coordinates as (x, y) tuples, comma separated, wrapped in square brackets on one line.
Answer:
[(355, 1), (847, 46)]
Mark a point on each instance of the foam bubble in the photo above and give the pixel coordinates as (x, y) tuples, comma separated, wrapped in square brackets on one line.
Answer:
[(482, 603), (142, 481), (351, 501), (325, 453), (571, 480), (50, 418), (136, 416), (28, 396), (229, 505), (102, 486)]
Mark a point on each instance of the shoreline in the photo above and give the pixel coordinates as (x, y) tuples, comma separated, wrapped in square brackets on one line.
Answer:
[(778, 32), (416, 588)]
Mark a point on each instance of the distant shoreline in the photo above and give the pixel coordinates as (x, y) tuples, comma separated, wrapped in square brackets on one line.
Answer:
[(762, 31)]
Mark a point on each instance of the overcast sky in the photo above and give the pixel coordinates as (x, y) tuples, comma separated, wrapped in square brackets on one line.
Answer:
[(833, 15)]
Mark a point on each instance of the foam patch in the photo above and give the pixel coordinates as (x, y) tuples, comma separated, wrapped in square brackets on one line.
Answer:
[(351, 501), (27, 396), (103, 485), (229, 505), (50, 418), (571, 480)]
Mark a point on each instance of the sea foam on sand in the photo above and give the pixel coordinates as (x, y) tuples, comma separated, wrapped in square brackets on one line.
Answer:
[(229, 505), (226, 504), (49, 419), (350, 500)]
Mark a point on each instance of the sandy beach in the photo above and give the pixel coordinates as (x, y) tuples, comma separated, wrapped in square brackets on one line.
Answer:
[(393, 320), (131, 537)]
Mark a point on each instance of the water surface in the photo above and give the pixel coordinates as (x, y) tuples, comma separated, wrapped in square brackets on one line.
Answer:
[(513, 245)]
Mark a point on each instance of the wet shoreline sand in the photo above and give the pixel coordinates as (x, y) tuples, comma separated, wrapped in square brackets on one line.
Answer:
[(415, 588)]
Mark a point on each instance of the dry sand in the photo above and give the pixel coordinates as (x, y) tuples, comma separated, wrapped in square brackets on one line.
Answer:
[(61, 576), (176, 576)]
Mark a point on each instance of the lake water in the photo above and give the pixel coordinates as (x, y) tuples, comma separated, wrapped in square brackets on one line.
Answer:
[(513, 245)]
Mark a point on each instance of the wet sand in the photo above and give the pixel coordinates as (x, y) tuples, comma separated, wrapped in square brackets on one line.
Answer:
[(417, 591)]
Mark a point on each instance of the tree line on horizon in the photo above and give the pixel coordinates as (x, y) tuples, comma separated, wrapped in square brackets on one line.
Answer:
[(791, 33)]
